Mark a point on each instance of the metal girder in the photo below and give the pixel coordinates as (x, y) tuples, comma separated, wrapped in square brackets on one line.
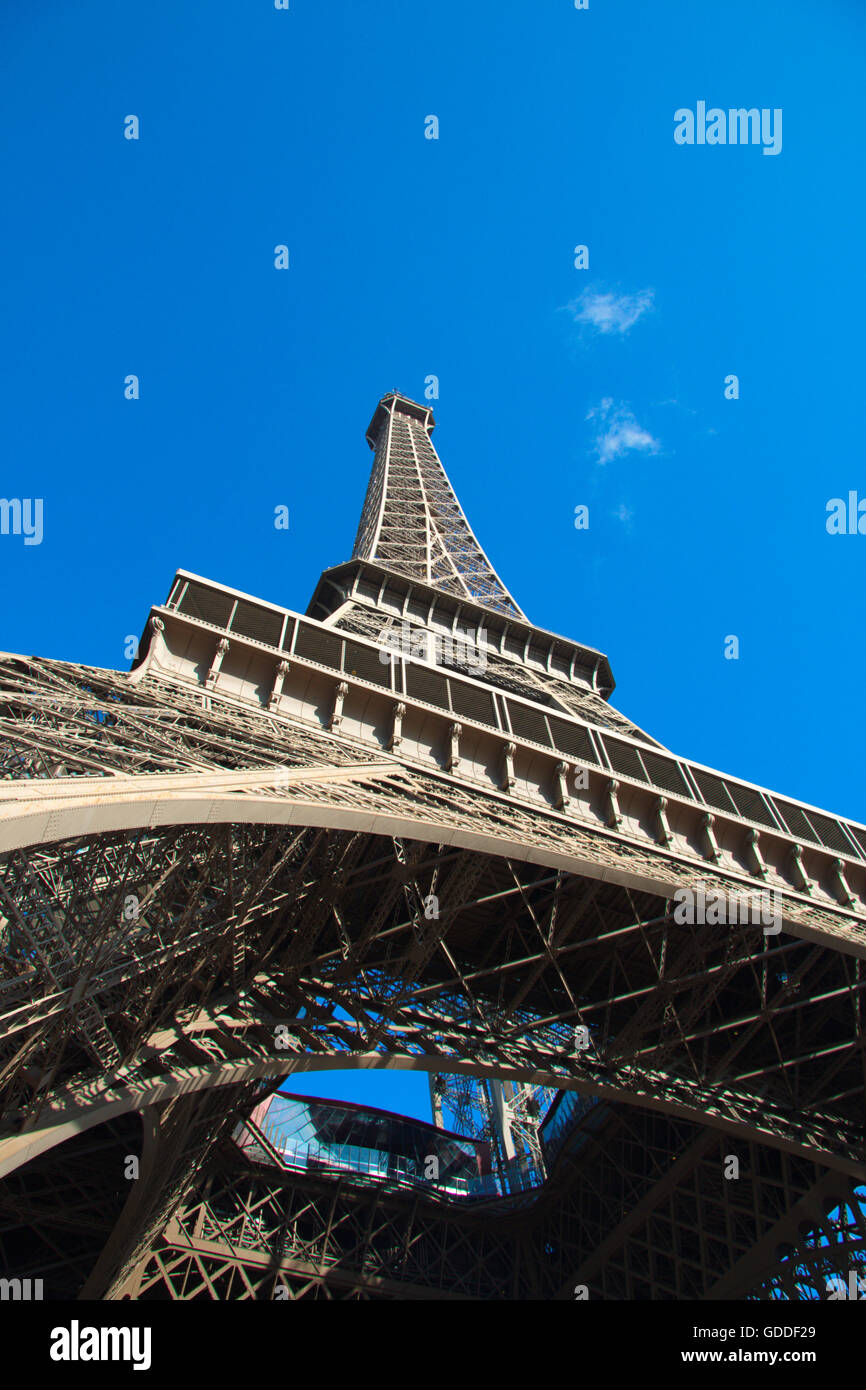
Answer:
[(411, 520), (200, 893)]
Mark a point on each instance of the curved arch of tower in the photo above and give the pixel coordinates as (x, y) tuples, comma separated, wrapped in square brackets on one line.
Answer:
[(407, 829)]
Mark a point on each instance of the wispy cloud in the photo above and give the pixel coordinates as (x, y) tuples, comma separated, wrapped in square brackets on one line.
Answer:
[(605, 312), (617, 432)]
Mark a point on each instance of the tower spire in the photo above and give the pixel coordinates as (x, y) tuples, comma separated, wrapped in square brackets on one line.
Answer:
[(412, 521)]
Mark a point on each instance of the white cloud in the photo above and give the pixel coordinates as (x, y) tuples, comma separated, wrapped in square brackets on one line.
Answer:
[(610, 313), (618, 432)]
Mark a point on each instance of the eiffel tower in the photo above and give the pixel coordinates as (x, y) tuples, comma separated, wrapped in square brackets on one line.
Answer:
[(407, 829)]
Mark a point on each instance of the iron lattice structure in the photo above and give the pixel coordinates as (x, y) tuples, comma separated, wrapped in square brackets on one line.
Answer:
[(284, 842)]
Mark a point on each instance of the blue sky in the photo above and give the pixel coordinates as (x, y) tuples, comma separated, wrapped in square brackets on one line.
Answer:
[(453, 257)]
